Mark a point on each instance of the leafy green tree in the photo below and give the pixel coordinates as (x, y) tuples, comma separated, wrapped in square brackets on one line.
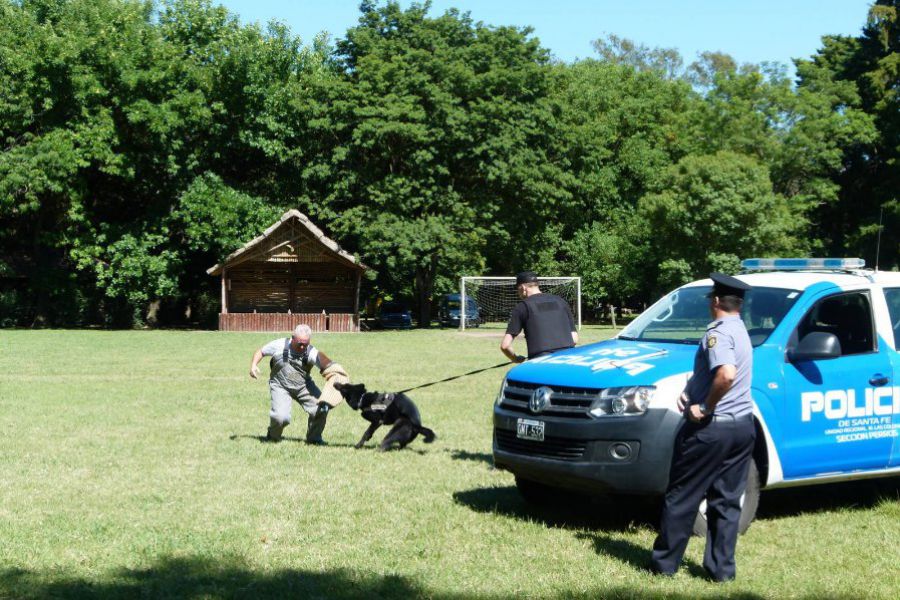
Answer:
[(869, 176), (613, 49), (804, 134), (107, 118), (623, 127), (210, 221), (444, 152), (800, 134), (216, 220), (141, 141), (713, 210), (57, 125), (624, 124), (607, 257)]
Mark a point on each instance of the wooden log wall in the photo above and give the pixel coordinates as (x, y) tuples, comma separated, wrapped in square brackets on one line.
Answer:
[(300, 288), (343, 322), (289, 284), (274, 321)]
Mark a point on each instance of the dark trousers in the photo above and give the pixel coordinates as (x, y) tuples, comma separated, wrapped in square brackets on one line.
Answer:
[(709, 460)]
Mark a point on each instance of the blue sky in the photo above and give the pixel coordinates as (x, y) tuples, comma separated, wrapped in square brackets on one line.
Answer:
[(750, 30)]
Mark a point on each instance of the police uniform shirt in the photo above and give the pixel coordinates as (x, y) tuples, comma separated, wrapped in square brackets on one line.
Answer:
[(725, 343), (548, 323), (298, 360)]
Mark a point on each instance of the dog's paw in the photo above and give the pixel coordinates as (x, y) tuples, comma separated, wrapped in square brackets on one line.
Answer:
[(357, 446)]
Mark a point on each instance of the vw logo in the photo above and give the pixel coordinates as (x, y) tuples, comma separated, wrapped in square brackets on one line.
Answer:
[(540, 399)]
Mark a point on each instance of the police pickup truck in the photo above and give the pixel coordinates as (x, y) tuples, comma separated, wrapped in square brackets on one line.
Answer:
[(602, 418)]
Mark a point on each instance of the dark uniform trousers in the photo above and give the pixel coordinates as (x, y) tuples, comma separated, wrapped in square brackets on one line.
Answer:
[(710, 459)]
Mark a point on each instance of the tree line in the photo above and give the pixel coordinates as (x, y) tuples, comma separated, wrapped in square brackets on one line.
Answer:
[(141, 142)]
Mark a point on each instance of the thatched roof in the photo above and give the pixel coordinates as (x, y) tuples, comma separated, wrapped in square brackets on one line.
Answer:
[(288, 219)]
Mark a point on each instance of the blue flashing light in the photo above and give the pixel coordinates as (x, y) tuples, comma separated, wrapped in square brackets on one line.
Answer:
[(799, 264)]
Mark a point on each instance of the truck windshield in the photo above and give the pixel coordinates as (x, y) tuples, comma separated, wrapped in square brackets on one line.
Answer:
[(682, 315)]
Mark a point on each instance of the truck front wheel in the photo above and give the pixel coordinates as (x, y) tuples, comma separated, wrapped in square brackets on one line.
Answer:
[(749, 504)]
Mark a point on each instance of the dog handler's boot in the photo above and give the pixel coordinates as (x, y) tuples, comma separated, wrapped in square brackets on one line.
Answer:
[(275, 429), (315, 426)]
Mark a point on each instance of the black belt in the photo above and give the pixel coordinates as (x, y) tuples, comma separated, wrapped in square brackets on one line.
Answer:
[(731, 418), (546, 352)]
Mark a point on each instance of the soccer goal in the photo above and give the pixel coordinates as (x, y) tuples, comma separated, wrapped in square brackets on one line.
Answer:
[(495, 297)]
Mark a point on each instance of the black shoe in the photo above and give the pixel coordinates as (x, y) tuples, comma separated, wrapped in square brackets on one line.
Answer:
[(318, 442), (711, 577)]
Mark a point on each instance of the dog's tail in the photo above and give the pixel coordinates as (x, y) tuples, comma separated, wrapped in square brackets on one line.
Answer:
[(427, 434)]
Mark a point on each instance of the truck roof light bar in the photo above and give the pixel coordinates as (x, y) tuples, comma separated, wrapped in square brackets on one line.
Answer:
[(801, 264)]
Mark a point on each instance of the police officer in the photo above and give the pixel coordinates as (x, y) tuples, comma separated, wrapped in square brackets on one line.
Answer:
[(712, 450), (292, 360), (546, 319)]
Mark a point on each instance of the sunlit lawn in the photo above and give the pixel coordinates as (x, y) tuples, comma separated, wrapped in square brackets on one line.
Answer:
[(131, 466)]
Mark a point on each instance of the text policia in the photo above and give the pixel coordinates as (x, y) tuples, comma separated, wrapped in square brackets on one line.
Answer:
[(854, 418)]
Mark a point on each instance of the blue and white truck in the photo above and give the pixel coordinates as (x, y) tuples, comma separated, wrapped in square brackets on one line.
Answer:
[(602, 418)]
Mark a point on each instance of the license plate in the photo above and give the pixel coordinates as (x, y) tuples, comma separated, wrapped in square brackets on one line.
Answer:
[(528, 429)]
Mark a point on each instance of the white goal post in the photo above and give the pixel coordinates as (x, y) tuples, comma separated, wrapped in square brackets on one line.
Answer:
[(495, 297)]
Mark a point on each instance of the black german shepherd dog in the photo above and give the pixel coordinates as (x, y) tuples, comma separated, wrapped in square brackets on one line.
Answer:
[(385, 409)]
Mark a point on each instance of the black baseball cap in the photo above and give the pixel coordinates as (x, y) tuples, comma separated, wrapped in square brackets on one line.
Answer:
[(726, 285), (526, 277)]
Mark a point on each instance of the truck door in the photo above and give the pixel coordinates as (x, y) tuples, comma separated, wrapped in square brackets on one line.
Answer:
[(835, 409), (892, 296)]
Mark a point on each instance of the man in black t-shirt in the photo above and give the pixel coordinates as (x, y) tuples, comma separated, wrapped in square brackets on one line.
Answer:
[(546, 319)]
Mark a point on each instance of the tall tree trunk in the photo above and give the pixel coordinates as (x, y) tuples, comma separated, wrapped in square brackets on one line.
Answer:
[(38, 277), (424, 288)]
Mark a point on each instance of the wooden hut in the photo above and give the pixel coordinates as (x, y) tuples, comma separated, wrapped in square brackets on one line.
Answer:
[(290, 274)]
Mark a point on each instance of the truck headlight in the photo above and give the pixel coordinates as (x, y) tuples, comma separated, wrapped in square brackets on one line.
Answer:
[(499, 399), (622, 401)]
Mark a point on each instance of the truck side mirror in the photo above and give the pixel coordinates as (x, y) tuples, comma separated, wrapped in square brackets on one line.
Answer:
[(817, 345)]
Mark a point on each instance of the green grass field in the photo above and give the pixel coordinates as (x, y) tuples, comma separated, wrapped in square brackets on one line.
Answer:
[(131, 466)]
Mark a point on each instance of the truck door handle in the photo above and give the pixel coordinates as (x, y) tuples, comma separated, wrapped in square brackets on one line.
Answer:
[(878, 379)]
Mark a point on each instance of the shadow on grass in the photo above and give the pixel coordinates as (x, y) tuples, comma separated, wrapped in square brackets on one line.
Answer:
[(599, 515), (622, 513), (854, 495), (264, 440), (568, 511), (370, 446), (203, 578), (633, 554), (196, 577), (482, 457), (627, 552), (373, 447)]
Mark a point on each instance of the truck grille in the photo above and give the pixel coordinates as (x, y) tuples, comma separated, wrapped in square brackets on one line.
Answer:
[(569, 402), (551, 447)]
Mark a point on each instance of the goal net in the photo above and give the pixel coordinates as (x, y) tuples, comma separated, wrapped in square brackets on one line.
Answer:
[(495, 297)]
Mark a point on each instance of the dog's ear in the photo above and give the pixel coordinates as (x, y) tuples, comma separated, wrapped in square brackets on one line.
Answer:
[(338, 386)]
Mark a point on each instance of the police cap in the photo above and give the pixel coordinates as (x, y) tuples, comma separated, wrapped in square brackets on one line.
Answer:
[(526, 277), (726, 285)]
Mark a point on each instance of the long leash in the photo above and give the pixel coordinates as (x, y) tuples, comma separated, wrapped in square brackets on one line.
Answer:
[(503, 364)]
